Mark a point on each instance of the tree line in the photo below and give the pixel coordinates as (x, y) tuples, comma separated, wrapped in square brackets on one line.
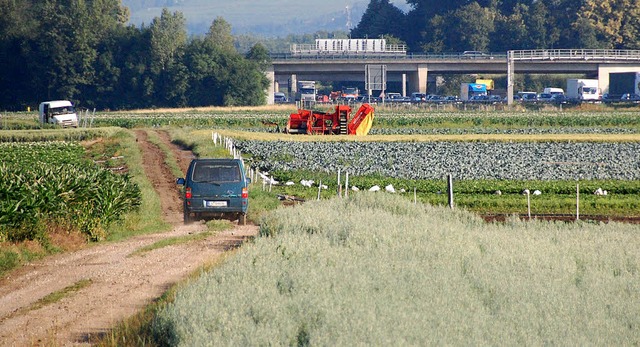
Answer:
[(501, 25), (82, 50)]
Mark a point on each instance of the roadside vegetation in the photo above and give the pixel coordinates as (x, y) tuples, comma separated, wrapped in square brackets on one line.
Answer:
[(57, 193)]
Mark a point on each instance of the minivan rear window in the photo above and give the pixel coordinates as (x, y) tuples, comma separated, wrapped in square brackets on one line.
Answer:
[(216, 172)]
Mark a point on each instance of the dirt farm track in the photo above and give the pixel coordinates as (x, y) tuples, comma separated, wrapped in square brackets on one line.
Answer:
[(119, 284)]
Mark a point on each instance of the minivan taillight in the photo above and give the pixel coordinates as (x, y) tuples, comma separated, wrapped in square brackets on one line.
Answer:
[(245, 193), (187, 193)]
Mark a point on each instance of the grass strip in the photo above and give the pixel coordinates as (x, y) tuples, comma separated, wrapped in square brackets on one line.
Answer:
[(246, 135), (149, 218), (171, 241), (61, 294), (170, 158)]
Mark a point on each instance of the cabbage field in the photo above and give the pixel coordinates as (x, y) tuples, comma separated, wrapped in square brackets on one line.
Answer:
[(51, 184), (463, 160)]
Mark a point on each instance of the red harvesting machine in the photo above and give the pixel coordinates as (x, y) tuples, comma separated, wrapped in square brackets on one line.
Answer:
[(338, 123)]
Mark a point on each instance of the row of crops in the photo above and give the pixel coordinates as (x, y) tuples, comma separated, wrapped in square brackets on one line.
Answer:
[(388, 121), (401, 122), (49, 184)]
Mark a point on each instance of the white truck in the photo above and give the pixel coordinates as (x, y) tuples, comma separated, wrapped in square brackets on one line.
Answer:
[(553, 91), (58, 112), (306, 91), (583, 90)]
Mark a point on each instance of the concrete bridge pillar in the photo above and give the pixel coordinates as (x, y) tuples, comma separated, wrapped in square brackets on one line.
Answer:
[(404, 84), (271, 75), (418, 80), (293, 84)]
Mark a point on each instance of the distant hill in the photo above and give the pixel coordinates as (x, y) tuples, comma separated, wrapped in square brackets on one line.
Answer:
[(275, 18)]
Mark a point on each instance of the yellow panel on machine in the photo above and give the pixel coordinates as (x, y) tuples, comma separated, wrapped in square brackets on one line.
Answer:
[(338, 123)]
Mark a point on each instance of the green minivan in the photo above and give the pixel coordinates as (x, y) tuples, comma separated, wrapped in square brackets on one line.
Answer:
[(216, 188)]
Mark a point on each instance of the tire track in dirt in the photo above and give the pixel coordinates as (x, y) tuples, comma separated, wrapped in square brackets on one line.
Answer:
[(161, 178), (121, 284)]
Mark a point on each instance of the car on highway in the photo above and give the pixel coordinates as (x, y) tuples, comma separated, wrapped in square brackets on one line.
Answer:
[(496, 99), (545, 97), (528, 96), (369, 99), (559, 99), (280, 98), (396, 98), (418, 97), (475, 55), (630, 97)]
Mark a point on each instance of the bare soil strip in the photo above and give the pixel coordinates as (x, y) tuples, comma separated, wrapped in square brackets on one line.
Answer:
[(120, 285)]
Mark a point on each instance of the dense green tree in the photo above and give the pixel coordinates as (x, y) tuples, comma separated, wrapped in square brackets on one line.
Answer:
[(561, 16), (260, 55), (220, 35), (66, 48), (168, 38), (537, 23), (468, 28), (380, 18), (587, 36), (18, 27), (613, 23), (510, 30)]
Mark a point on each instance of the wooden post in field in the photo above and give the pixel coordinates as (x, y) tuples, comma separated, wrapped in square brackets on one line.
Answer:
[(528, 205), (346, 185), (450, 190), (578, 201), (339, 185), (415, 196), (319, 188), (270, 183)]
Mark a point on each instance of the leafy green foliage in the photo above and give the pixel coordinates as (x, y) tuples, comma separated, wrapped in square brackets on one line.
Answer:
[(84, 52), (51, 182)]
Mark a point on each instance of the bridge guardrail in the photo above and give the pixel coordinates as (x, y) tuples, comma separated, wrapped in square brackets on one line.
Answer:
[(575, 54), (516, 55), (386, 56)]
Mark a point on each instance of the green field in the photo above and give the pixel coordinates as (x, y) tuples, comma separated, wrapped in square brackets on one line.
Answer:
[(381, 268), (376, 269)]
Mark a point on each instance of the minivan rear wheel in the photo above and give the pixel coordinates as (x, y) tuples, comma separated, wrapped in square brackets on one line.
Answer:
[(187, 217), (243, 219)]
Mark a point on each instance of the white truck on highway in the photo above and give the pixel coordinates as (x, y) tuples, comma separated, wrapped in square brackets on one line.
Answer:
[(306, 91), (583, 90), (58, 112)]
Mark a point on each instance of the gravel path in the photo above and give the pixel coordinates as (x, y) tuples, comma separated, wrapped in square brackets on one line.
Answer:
[(120, 284)]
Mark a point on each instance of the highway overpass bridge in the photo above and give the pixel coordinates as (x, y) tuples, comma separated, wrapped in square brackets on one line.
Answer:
[(412, 70)]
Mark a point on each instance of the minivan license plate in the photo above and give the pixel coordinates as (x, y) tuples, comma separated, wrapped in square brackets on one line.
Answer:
[(216, 203)]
